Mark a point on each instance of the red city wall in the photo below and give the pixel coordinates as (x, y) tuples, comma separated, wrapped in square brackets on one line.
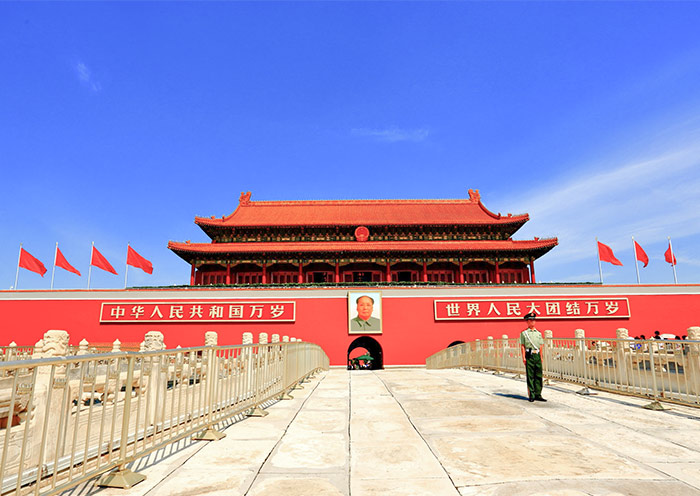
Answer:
[(410, 331)]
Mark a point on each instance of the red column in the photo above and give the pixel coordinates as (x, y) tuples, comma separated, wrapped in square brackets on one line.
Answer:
[(461, 272), (425, 271), (264, 274), (337, 271), (301, 272), (388, 271), (228, 273), (192, 275), (532, 271), (498, 275)]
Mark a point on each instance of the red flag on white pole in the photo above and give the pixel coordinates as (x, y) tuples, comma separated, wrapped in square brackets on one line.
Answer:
[(641, 254), (63, 263), (136, 260), (605, 254), (670, 258), (27, 261), (668, 255), (98, 260)]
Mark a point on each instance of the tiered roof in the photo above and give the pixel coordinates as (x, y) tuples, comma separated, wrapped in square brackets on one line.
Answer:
[(355, 213), (360, 213), (536, 245)]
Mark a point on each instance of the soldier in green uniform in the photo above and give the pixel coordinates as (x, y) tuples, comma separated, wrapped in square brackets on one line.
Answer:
[(531, 342)]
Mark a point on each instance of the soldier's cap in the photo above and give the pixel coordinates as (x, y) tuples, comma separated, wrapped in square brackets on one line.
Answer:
[(530, 316)]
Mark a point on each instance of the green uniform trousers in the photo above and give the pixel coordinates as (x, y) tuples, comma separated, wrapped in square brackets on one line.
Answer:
[(533, 370)]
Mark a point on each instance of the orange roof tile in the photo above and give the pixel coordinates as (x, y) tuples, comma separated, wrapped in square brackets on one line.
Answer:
[(361, 212), (368, 246)]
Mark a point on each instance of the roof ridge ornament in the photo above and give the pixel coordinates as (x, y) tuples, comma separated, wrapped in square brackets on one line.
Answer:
[(474, 195), (244, 199)]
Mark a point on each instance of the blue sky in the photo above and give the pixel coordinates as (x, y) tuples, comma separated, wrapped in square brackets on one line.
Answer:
[(119, 122)]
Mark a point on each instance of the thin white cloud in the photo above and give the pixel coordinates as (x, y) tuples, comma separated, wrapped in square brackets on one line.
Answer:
[(393, 134), (86, 77), (650, 199)]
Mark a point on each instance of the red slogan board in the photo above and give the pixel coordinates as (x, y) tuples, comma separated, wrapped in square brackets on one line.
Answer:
[(549, 308), (198, 311)]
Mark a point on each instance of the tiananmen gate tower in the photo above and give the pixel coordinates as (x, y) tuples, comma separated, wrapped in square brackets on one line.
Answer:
[(355, 241), (398, 279)]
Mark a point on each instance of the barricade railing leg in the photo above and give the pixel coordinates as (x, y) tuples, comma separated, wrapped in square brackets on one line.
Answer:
[(257, 411), (655, 404), (212, 374), (285, 383), (123, 477)]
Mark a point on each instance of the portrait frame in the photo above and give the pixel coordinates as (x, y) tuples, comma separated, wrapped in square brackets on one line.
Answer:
[(376, 319)]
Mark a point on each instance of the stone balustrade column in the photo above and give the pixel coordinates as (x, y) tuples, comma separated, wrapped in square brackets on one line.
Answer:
[(623, 360), (285, 339), (548, 354), (693, 358), (83, 348), (580, 352), (211, 338), (247, 361), (262, 338), (54, 344), (156, 370), (116, 346), (11, 351), (275, 338)]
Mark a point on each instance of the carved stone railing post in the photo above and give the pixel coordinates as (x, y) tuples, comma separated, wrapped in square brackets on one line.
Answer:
[(156, 370), (11, 351), (285, 339), (622, 358), (547, 359), (259, 382), (116, 346), (247, 360), (83, 348), (211, 338), (56, 415), (693, 353)]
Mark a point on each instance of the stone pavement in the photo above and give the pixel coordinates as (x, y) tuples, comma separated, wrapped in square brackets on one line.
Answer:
[(446, 432)]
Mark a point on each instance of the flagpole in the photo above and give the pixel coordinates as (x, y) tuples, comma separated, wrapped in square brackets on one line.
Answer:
[(600, 268), (18, 259), (636, 265), (53, 272), (126, 271), (673, 259), (90, 266)]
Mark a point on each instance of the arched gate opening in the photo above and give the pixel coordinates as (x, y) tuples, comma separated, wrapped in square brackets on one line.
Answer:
[(361, 347)]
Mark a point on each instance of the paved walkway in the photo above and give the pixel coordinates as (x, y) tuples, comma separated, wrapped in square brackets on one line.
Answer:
[(452, 432)]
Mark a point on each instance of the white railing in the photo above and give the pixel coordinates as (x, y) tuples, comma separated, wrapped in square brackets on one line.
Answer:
[(659, 369), (68, 419)]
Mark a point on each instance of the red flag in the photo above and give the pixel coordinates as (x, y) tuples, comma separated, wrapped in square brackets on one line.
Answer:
[(28, 262), (63, 263), (641, 254), (669, 256), (136, 260), (606, 254), (100, 261)]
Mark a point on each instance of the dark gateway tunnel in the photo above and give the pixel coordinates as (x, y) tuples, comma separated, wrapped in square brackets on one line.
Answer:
[(372, 347)]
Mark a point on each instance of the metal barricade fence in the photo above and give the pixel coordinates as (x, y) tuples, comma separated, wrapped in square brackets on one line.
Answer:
[(66, 420), (659, 369)]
